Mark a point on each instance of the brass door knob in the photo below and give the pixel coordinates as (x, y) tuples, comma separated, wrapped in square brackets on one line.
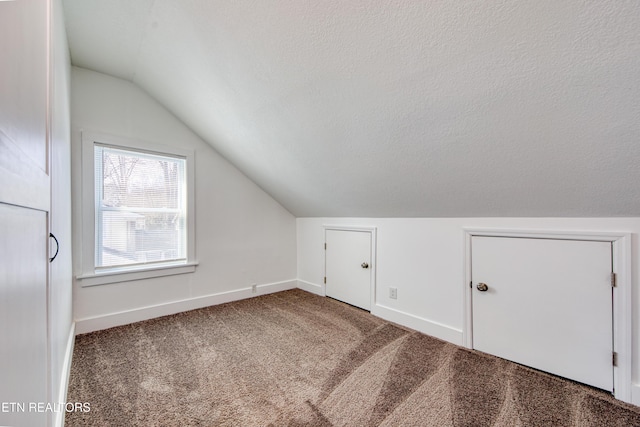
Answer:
[(482, 287), (364, 265)]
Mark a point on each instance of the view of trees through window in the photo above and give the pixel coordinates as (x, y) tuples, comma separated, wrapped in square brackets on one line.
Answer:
[(140, 209)]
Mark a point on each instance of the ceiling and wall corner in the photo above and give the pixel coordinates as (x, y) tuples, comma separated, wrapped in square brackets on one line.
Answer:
[(396, 108)]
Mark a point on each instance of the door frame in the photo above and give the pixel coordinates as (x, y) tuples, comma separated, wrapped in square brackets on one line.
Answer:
[(372, 265), (621, 266)]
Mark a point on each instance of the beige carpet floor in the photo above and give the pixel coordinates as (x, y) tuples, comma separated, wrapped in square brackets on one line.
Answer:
[(297, 359)]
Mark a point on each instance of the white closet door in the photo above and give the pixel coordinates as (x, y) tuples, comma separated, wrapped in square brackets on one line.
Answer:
[(547, 304), (24, 208), (23, 313), (348, 267)]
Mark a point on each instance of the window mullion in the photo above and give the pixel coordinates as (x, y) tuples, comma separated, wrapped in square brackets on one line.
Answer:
[(140, 210)]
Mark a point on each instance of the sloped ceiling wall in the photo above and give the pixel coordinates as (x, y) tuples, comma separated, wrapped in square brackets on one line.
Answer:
[(396, 108)]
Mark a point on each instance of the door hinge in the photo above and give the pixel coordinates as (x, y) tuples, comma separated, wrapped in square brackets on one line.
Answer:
[(325, 280), (614, 359), (325, 246), (471, 284), (613, 280)]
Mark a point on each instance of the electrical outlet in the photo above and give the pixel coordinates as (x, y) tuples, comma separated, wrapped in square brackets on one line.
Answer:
[(254, 288), (393, 293)]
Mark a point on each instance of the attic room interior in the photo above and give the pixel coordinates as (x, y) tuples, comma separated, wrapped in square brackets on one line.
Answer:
[(319, 213)]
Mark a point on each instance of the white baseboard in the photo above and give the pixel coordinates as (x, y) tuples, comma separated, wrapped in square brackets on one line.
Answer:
[(429, 327), (111, 320), (311, 287), (635, 394), (58, 417), (420, 324)]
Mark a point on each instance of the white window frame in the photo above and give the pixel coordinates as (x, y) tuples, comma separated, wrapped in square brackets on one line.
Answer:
[(90, 276)]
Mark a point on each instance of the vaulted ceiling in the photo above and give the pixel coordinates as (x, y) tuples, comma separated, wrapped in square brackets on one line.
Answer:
[(396, 108)]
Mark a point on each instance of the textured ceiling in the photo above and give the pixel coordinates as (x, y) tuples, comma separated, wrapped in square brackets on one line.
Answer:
[(397, 108)]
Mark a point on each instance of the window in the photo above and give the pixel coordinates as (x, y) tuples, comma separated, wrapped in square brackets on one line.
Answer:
[(137, 221), (140, 208)]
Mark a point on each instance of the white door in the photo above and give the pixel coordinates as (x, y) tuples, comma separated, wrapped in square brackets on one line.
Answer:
[(348, 267), (547, 304), (24, 207)]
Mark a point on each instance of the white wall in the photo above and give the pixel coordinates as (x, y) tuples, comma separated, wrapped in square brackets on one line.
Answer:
[(243, 236), (60, 276), (424, 259)]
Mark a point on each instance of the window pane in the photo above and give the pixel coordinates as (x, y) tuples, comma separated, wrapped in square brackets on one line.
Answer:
[(140, 180), (134, 238), (140, 208)]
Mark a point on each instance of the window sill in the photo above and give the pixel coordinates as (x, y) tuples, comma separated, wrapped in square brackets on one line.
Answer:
[(94, 279)]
